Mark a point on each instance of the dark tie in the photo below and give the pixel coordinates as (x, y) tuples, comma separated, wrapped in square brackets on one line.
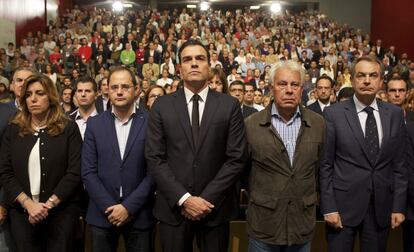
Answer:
[(108, 105), (371, 135), (195, 119)]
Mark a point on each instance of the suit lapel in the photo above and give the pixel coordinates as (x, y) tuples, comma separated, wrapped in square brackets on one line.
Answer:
[(110, 127), (385, 123), (181, 109), (210, 109), (136, 127), (319, 107), (353, 121)]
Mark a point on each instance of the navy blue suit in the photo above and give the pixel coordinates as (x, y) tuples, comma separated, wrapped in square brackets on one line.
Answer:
[(104, 172), (349, 183)]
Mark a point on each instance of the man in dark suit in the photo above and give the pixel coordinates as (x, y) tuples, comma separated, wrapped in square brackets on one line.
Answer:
[(114, 170), (102, 102), (324, 87), (237, 90), (379, 50), (408, 225), (363, 182), (196, 152), (19, 76), (85, 94), (152, 52), (397, 92), (7, 112)]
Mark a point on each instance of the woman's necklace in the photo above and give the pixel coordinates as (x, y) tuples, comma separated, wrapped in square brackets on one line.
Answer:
[(38, 125)]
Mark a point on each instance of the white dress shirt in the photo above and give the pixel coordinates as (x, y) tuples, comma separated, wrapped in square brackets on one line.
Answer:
[(201, 104), (122, 132), (81, 122), (34, 170), (362, 115), (323, 105)]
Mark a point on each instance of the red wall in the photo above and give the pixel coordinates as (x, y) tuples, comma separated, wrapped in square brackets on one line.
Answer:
[(63, 5), (28, 15), (393, 23)]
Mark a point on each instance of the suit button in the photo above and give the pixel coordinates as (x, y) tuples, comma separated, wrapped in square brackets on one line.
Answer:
[(43, 158), (43, 174), (43, 191)]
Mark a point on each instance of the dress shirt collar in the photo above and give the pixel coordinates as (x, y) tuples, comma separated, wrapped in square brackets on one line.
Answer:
[(275, 113), (323, 105), (134, 110), (78, 115), (360, 106), (188, 94)]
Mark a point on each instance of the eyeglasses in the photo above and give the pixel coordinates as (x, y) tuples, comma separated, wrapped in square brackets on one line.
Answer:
[(124, 87)]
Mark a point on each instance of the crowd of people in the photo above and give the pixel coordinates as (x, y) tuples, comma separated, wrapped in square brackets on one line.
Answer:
[(129, 118)]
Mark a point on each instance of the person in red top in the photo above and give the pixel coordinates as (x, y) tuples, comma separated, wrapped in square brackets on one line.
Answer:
[(85, 51), (140, 58), (55, 59)]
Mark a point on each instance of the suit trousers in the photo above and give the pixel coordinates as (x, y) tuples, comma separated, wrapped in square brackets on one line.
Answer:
[(55, 233), (372, 238), (106, 239), (408, 235), (180, 237)]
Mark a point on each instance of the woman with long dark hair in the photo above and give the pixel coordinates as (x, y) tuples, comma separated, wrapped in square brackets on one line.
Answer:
[(40, 170)]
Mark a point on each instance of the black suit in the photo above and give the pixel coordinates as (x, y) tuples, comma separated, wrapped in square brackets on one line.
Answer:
[(209, 170), (408, 225), (99, 104), (409, 116), (315, 107), (247, 111), (6, 113), (363, 193), (156, 55)]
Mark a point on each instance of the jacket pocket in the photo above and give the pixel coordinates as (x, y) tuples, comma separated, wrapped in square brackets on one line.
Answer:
[(309, 201), (264, 201), (261, 215)]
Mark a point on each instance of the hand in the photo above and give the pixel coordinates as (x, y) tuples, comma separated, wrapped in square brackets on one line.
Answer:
[(397, 219), (333, 220), (196, 207), (117, 215), (37, 211), (187, 215), (3, 214)]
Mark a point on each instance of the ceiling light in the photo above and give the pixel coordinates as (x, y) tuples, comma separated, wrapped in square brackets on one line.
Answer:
[(275, 7), (117, 6), (204, 6)]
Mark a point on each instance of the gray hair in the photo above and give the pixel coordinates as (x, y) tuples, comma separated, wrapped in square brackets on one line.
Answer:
[(367, 59), (288, 64)]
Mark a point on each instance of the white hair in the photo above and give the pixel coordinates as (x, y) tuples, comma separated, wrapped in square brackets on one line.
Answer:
[(288, 64)]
